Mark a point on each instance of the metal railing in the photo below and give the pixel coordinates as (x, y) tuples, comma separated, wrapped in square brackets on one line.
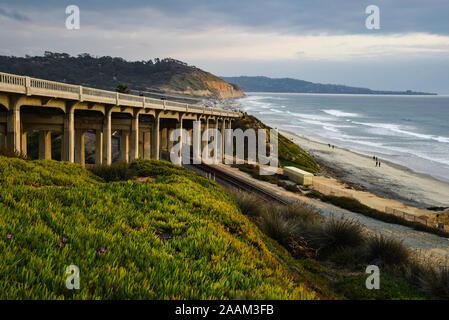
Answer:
[(24, 84)]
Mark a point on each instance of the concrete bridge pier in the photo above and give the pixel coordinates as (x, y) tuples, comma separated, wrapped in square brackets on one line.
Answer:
[(155, 135), (134, 145), (80, 150), (23, 142), (44, 144), (144, 144), (2, 140), (98, 147), (107, 136), (13, 125), (124, 146), (69, 133), (205, 127)]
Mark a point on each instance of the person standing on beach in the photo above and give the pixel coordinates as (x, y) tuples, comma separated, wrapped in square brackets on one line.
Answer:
[(376, 163), (379, 164)]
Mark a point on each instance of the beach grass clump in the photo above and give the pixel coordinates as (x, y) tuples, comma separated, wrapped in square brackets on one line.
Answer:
[(385, 251), (334, 235), (430, 278), (299, 212), (249, 204), (179, 236), (273, 224)]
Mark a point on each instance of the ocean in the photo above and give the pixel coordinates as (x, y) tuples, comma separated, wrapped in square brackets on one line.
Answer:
[(408, 130)]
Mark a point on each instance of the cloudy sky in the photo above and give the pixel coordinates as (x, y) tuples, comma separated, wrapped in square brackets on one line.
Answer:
[(317, 40)]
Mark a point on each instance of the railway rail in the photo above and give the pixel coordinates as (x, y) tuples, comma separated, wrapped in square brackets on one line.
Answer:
[(238, 183)]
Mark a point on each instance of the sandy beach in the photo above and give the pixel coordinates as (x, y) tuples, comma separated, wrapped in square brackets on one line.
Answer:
[(390, 181)]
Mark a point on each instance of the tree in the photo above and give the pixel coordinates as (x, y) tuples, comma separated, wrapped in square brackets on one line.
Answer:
[(122, 88)]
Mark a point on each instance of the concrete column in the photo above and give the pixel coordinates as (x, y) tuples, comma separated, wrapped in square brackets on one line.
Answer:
[(155, 146), (223, 128), (24, 145), (169, 142), (181, 138), (206, 127), (216, 154), (196, 141), (164, 144), (229, 124), (69, 133), (13, 126), (80, 150), (45, 144), (134, 154), (2, 140), (98, 147), (146, 145), (124, 146), (107, 136)]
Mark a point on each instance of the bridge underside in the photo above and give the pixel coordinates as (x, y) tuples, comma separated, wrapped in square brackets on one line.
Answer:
[(131, 132)]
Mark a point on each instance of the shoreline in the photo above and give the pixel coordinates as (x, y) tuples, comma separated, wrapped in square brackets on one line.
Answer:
[(393, 181)]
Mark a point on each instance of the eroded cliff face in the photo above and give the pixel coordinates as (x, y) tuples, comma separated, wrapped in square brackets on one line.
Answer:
[(224, 89), (202, 84)]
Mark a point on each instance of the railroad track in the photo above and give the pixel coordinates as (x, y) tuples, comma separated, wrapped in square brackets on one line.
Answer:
[(238, 183)]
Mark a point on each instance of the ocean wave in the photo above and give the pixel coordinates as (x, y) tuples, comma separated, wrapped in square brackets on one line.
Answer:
[(398, 129), (309, 116), (339, 113)]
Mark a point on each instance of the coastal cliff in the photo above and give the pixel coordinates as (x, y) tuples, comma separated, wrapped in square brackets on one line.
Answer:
[(201, 83)]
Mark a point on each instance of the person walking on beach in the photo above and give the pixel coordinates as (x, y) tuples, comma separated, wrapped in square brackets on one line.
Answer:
[(376, 164), (379, 164)]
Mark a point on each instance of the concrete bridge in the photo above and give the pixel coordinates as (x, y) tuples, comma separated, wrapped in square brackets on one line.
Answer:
[(143, 124)]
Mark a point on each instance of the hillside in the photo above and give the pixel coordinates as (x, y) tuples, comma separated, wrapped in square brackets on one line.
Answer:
[(164, 75), (265, 84), (175, 236)]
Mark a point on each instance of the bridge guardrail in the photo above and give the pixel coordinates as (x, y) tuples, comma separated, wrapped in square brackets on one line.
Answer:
[(29, 85)]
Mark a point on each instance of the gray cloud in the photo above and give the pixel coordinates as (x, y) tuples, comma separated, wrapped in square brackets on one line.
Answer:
[(13, 15), (288, 16)]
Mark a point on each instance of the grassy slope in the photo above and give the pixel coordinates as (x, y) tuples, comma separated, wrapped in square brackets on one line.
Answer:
[(178, 236), (288, 152)]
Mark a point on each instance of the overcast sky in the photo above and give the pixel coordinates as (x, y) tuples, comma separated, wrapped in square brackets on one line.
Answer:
[(317, 40)]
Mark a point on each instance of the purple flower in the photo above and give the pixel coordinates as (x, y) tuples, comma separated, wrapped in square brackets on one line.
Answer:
[(115, 286), (9, 236), (64, 239), (102, 249), (21, 230), (61, 244), (99, 252), (142, 202)]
